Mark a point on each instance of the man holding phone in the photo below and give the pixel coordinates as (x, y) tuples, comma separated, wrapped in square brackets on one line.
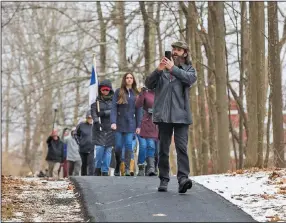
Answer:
[(171, 80)]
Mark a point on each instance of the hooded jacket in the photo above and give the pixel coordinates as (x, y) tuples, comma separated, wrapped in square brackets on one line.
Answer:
[(72, 148), (83, 136), (171, 103), (105, 136)]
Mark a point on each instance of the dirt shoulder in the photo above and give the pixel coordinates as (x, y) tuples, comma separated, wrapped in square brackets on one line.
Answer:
[(39, 200)]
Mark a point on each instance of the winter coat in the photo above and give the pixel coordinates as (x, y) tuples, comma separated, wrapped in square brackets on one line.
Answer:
[(72, 149), (171, 103), (105, 137), (125, 116), (148, 128), (83, 136), (55, 150)]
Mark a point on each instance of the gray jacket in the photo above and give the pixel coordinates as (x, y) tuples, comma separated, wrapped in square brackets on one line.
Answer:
[(171, 104), (72, 149)]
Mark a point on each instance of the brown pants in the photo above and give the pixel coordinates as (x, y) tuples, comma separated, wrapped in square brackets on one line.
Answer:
[(53, 168)]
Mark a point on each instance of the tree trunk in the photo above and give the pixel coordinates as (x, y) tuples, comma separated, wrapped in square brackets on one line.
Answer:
[(146, 37), (256, 86), (276, 82), (121, 35), (102, 51), (222, 102), (202, 103), (158, 30), (243, 70), (260, 71), (7, 124), (212, 94), (152, 37)]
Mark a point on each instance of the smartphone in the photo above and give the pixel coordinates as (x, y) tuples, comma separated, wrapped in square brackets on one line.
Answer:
[(168, 54)]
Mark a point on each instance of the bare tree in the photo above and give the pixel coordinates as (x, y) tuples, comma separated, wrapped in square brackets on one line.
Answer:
[(275, 74)]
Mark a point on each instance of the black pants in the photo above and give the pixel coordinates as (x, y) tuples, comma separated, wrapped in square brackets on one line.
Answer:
[(181, 143), (87, 160)]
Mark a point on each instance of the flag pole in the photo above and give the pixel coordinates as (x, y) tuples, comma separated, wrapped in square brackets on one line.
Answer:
[(97, 102)]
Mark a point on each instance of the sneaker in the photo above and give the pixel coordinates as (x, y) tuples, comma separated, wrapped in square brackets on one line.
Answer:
[(184, 185), (163, 185)]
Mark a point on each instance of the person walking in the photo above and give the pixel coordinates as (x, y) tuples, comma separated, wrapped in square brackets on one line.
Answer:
[(125, 120), (148, 133), (55, 155), (102, 134), (73, 156), (171, 80), (83, 136)]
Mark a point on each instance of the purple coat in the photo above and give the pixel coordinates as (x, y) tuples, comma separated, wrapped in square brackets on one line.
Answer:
[(148, 128)]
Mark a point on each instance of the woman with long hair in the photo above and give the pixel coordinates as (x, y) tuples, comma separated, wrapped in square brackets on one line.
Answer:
[(125, 120)]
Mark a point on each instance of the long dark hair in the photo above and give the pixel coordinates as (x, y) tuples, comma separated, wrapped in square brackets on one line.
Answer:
[(187, 58), (122, 92)]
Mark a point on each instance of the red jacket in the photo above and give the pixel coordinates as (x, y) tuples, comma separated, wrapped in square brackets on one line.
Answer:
[(148, 128)]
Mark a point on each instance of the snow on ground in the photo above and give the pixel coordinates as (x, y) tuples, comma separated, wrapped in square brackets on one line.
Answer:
[(39, 200), (261, 194)]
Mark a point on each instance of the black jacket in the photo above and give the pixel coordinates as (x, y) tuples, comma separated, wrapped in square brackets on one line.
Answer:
[(83, 136), (171, 103), (55, 150), (105, 137)]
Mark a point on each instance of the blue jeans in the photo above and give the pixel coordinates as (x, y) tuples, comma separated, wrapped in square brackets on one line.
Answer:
[(103, 158), (123, 141), (133, 148), (147, 148)]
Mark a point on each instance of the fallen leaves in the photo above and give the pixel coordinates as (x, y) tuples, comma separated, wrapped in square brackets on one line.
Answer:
[(274, 218)]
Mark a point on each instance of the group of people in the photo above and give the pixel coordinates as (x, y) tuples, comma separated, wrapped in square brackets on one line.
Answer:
[(119, 120)]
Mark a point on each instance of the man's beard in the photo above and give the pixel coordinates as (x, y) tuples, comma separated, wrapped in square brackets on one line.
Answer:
[(179, 60)]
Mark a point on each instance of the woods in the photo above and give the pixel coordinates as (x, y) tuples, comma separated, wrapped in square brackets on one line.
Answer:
[(238, 49)]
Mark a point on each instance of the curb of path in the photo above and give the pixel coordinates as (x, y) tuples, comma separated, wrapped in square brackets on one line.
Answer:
[(87, 216)]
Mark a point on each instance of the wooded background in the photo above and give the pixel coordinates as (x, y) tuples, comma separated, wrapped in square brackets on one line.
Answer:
[(237, 48)]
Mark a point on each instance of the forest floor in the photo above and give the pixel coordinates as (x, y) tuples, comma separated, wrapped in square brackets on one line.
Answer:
[(260, 193), (39, 200)]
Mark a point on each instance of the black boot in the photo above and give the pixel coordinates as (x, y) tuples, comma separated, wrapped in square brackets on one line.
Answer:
[(128, 154), (97, 172), (104, 174), (156, 165), (150, 166), (163, 187), (184, 185), (141, 168), (118, 161)]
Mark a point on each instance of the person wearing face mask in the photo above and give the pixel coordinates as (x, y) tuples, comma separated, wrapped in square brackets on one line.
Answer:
[(102, 134), (83, 136), (125, 120), (172, 80)]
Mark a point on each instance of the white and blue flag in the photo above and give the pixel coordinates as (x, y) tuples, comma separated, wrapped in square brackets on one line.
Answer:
[(93, 87)]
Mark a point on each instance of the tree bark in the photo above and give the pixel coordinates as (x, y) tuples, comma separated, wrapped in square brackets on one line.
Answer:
[(275, 73), (222, 102)]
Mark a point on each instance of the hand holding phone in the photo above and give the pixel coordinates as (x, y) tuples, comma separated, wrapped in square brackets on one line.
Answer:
[(168, 54)]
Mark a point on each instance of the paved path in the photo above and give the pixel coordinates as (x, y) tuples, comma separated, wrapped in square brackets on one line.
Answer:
[(108, 199)]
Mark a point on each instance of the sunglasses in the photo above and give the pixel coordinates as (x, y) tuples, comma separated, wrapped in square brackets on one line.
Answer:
[(104, 90)]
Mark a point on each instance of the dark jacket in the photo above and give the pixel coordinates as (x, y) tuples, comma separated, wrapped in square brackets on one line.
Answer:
[(105, 137), (55, 150), (148, 128), (83, 136), (172, 94), (125, 116)]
